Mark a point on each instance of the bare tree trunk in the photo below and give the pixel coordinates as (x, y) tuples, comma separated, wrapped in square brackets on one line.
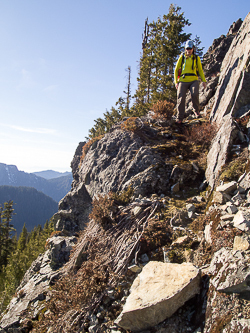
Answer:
[(128, 89)]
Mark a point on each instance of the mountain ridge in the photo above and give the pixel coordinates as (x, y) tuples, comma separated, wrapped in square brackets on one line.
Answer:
[(30, 206), (50, 174), (56, 188)]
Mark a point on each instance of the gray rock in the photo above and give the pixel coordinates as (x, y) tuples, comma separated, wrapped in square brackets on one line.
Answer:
[(175, 188), (158, 291), (232, 209), (234, 81), (74, 210), (217, 155), (245, 181), (241, 243), (242, 220), (190, 208), (219, 198), (227, 187), (213, 59), (227, 217), (135, 268), (237, 199), (232, 93), (207, 233), (224, 262), (240, 325), (37, 279), (144, 257)]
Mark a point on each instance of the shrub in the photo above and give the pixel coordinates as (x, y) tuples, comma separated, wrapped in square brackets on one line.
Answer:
[(102, 207), (201, 134), (88, 144), (163, 109), (123, 197), (130, 124)]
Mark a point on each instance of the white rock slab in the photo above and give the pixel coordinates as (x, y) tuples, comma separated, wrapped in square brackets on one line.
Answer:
[(242, 220), (158, 291)]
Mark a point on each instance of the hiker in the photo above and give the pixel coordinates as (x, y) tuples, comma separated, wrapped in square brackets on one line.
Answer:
[(186, 77)]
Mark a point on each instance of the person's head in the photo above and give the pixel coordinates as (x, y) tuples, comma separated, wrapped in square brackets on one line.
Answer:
[(189, 47)]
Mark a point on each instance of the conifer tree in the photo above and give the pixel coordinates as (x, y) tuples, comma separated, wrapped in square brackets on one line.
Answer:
[(21, 244), (198, 49), (164, 43), (6, 229), (28, 247)]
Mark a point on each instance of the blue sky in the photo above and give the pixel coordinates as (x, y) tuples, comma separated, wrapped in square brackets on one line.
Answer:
[(63, 63)]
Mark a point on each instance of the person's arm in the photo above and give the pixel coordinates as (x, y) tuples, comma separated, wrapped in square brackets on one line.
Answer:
[(200, 70), (177, 66)]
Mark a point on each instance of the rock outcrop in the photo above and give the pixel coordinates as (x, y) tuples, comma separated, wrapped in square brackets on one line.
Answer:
[(231, 99), (234, 83), (37, 280)]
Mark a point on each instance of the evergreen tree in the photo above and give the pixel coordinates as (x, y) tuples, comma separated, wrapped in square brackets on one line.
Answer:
[(24, 252), (162, 44), (161, 49), (6, 229), (198, 49), (21, 244)]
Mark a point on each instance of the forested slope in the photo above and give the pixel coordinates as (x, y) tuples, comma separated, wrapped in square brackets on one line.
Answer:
[(31, 206)]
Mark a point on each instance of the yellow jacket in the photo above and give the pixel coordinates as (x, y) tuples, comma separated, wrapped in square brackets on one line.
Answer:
[(187, 68)]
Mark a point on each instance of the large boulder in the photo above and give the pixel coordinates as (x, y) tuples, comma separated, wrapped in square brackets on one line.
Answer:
[(158, 291)]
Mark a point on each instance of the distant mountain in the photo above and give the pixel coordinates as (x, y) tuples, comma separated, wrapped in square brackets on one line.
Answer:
[(49, 174), (56, 188), (30, 206)]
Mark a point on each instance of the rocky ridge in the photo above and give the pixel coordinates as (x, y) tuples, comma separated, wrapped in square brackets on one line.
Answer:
[(207, 232)]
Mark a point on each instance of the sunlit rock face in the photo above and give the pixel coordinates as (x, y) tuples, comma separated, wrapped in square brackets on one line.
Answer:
[(158, 291)]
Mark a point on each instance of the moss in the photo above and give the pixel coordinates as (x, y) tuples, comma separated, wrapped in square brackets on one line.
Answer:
[(176, 256), (123, 197), (233, 170)]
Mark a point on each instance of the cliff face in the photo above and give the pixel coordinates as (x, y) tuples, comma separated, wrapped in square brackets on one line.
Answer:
[(202, 239)]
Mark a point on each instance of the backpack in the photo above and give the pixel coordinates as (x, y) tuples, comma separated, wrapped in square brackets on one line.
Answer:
[(182, 62)]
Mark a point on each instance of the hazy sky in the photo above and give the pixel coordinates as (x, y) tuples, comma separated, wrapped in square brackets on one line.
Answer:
[(63, 63)]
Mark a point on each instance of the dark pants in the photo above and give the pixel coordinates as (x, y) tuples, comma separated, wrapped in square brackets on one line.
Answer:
[(181, 97)]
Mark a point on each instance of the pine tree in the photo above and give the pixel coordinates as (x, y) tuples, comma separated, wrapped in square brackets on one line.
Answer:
[(21, 244), (198, 49), (162, 44), (6, 229), (162, 47), (24, 252)]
